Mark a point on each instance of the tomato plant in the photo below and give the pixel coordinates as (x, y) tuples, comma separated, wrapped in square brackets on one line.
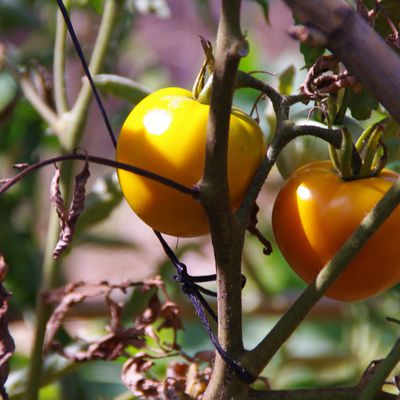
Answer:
[(314, 214), (166, 134)]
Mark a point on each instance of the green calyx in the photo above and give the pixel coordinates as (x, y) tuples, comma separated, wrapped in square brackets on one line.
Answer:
[(203, 85), (364, 159)]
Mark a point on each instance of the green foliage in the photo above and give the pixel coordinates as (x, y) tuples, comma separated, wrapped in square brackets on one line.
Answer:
[(14, 14), (286, 80), (390, 9), (122, 87), (95, 5), (100, 202), (324, 351), (361, 104), (19, 141), (310, 53)]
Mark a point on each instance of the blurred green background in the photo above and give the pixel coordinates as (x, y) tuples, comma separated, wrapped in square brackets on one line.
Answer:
[(156, 44)]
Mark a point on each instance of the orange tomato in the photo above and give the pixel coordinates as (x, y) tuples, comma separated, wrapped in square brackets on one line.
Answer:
[(316, 211)]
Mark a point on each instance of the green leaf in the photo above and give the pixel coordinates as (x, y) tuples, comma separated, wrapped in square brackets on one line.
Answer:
[(361, 104), (310, 53), (13, 14), (122, 87), (286, 80), (265, 7), (391, 139), (96, 5), (392, 10), (8, 90), (100, 202)]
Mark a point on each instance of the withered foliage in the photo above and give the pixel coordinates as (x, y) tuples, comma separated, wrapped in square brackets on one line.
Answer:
[(183, 380), (325, 77), (68, 217), (253, 230), (6, 341), (371, 15)]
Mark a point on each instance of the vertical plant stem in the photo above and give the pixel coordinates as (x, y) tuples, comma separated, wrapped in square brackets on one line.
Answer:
[(79, 110), (60, 95), (69, 140), (49, 273), (227, 236)]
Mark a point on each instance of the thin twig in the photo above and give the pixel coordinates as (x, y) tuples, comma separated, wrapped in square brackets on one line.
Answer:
[(98, 160), (40, 106)]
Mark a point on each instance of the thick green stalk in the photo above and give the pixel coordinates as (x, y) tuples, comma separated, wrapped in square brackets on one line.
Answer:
[(60, 95), (49, 273), (69, 140), (227, 236), (78, 114)]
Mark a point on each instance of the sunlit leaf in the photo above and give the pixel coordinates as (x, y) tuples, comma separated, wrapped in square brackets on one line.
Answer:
[(122, 87), (286, 80), (100, 202)]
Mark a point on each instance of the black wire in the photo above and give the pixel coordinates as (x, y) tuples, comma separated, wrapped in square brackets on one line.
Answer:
[(188, 282), (235, 365), (85, 67), (192, 290)]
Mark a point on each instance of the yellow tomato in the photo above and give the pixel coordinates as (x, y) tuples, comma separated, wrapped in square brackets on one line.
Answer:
[(316, 212), (166, 134)]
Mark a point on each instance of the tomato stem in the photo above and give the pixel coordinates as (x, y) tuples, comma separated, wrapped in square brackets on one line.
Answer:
[(346, 168), (208, 64), (371, 150), (204, 96)]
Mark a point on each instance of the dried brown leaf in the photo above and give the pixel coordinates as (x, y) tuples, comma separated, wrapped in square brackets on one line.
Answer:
[(177, 370), (113, 344), (170, 313), (57, 199), (3, 268), (21, 166), (196, 381), (133, 377), (174, 390), (7, 346), (205, 356), (75, 210), (323, 78), (253, 230), (151, 313), (115, 312), (58, 315), (362, 9), (108, 347)]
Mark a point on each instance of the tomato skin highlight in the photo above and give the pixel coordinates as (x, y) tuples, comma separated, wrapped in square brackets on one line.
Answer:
[(316, 212), (166, 134)]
